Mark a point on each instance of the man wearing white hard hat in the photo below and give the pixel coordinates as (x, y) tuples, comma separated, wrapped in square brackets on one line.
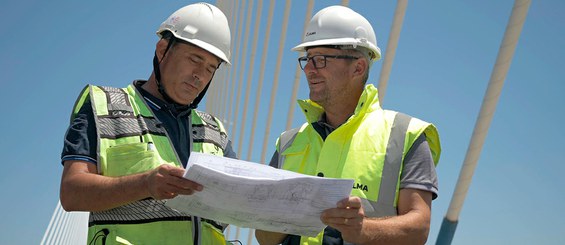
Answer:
[(125, 148), (390, 156)]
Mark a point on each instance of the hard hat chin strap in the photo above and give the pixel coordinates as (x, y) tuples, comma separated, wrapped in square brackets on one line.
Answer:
[(156, 68)]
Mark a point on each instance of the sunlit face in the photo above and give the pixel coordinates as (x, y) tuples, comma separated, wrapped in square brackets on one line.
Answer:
[(331, 84), (186, 70)]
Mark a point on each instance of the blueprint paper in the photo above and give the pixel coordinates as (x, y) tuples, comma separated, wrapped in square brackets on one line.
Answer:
[(257, 196)]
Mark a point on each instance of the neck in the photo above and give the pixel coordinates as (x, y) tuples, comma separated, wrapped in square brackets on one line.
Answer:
[(151, 87), (336, 119), (338, 112)]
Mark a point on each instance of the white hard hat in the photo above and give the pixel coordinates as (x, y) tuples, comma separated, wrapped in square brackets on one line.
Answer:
[(339, 25), (203, 25)]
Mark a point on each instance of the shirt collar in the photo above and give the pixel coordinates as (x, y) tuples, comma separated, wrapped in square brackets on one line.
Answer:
[(158, 104)]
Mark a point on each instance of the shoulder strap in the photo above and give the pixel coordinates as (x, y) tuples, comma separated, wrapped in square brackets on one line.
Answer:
[(210, 131), (117, 101), (393, 164), (208, 119), (285, 140)]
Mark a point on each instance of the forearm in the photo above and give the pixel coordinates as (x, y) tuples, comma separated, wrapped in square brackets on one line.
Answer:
[(411, 228), (83, 191), (269, 237)]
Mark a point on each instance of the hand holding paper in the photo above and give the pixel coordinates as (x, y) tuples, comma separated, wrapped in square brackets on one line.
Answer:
[(257, 196)]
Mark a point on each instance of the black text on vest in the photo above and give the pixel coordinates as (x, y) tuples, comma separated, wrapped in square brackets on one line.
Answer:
[(360, 187)]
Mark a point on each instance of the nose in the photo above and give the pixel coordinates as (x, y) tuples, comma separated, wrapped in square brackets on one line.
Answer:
[(197, 79), (309, 67), (198, 74)]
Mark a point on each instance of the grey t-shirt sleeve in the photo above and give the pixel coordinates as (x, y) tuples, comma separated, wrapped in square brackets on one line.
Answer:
[(419, 170), (228, 152), (275, 160)]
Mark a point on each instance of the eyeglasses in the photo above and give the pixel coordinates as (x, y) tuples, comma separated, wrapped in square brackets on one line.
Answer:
[(319, 61)]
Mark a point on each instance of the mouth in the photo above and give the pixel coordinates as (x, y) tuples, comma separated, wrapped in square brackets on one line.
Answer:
[(190, 86), (314, 82)]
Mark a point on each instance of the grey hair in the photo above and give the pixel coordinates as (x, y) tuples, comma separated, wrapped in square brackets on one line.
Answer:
[(365, 53)]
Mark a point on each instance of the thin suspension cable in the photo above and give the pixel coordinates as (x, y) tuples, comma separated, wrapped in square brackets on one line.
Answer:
[(240, 80), (227, 89), (239, 67), (261, 76), (298, 71), (248, 88), (66, 227), (231, 12), (73, 223), (76, 230), (250, 76), (235, 82), (69, 221), (48, 233), (488, 107), (212, 95), (59, 225), (395, 29), (217, 99), (221, 83), (275, 81), (233, 70), (220, 88)]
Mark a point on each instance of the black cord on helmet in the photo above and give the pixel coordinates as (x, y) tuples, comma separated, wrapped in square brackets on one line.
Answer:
[(156, 63)]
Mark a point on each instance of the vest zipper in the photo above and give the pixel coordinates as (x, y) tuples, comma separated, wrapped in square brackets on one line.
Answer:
[(197, 230), (186, 134)]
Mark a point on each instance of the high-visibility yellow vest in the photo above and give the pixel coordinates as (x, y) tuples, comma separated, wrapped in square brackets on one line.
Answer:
[(131, 140), (368, 148)]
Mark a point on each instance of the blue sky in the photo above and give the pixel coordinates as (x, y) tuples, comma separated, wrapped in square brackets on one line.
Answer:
[(447, 49)]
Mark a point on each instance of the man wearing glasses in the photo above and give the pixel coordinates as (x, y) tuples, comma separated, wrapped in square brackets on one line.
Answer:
[(390, 156)]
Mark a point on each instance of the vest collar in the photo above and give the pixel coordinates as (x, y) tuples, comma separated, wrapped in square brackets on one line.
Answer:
[(368, 101)]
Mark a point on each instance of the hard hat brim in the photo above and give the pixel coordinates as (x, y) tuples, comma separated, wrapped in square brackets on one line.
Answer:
[(208, 47), (338, 41)]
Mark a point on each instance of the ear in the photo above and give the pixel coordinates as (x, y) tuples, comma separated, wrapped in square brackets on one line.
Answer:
[(360, 67), (160, 48)]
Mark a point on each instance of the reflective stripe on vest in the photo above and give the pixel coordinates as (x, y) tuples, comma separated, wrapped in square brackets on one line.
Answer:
[(209, 132), (124, 121), (391, 170), (121, 120)]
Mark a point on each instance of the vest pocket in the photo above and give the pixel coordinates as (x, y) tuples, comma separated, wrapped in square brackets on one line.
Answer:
[(366, 169), (130, 159), (211, 235), (294, 158)]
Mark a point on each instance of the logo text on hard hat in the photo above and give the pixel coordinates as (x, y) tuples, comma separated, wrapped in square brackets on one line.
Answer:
[(174, 19), (310, 33)]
